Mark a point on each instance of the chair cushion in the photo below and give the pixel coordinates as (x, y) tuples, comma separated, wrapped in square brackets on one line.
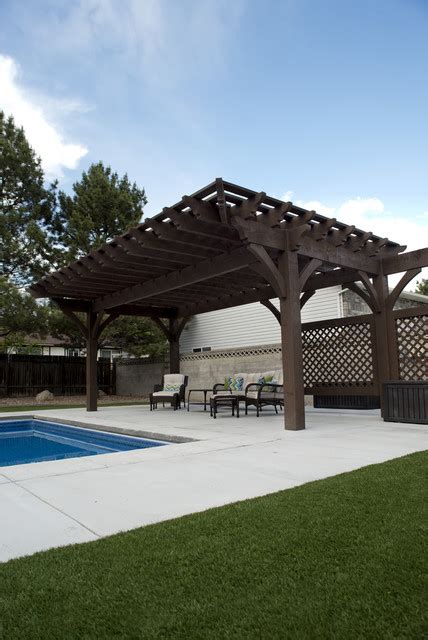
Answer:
[(176, 379), (252, 378), (279, 376), (164, 393), (265, 395), (252, 394)]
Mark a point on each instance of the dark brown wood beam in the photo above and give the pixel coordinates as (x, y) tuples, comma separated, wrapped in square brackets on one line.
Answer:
[(152, 241), (153, 248), (271, 307), (227, 301), (189, 275), (403, 282), (252, 232), (406, 261), (167, 231), (201, 228), (338, 255)]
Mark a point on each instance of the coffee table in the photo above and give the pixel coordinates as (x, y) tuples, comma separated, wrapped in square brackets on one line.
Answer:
[(224, 401)]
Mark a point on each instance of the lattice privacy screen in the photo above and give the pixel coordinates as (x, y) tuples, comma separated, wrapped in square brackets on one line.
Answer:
[(338, 355), (232, 353), (412, 342)]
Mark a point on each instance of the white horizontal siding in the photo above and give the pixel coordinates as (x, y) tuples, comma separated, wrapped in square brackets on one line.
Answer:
[(324, 305), (251, 324)]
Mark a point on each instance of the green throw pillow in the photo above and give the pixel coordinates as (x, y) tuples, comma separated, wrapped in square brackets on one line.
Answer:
[(172, 387)]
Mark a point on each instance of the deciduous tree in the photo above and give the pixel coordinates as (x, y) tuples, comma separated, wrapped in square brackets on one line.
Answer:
[(422, 286)]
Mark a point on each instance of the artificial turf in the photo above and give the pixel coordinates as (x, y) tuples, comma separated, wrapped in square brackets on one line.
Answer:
[(339, 558)]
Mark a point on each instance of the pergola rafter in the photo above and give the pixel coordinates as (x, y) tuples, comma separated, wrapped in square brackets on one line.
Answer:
[(224, 246)]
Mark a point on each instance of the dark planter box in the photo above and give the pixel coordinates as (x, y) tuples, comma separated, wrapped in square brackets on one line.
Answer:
[(406, 402), (346, 402)]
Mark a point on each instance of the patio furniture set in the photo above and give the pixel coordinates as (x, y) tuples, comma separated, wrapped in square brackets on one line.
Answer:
[(252, 389)]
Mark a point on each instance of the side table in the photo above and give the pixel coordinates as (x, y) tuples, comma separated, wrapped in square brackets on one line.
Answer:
[(204, 391)]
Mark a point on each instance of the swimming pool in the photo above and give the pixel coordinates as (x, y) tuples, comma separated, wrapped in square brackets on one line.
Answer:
[(24, 441)]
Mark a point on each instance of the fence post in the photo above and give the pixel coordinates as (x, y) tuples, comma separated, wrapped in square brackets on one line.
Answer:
[(113, 378), (7, 375)]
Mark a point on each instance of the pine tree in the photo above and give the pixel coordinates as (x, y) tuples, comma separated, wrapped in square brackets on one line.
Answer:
[(25, 208), (103, 205)]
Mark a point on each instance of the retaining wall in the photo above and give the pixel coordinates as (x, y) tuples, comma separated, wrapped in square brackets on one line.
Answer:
[(207, 367), (135, 377)]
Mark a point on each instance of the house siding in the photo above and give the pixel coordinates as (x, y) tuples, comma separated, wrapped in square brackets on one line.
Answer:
[(252, 324)]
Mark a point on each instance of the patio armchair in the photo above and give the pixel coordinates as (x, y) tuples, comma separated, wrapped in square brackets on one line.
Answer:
[(171, 390), (264, 394), (255, 389)]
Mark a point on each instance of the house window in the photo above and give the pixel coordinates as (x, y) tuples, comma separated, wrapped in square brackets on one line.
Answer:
[(105, 353), (72, 353), (199, 349)]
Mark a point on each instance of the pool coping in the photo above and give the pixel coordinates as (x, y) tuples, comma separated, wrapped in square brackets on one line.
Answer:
[(151, 435)]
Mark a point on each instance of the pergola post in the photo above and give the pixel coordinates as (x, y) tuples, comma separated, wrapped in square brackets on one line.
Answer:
[(382, 331), (91, 361), (291, 342), (174, 347), (386, 339), (172, 332)]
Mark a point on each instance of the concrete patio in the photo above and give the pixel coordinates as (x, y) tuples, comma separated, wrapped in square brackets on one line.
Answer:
[(57, 503)]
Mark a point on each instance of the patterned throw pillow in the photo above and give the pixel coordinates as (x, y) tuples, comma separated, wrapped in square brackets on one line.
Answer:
[(268, 380), (172, 387), (227, 381), (236, 384)]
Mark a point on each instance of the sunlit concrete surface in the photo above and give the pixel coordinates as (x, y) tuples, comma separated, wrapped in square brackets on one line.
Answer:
[(49, 504)]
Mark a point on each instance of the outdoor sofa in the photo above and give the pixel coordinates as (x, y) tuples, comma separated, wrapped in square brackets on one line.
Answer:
[(255, 389), (171, 390)]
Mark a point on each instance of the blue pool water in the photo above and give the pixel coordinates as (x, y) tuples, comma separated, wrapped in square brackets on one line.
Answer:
[(24, 441)]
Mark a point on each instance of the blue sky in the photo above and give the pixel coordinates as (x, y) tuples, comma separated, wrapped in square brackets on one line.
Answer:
[(321, 101)]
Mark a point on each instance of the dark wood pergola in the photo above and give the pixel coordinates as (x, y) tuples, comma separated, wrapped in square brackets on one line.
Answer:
[(226, 246)]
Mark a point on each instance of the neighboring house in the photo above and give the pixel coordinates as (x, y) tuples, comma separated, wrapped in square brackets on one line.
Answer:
[(51, 346), (253, 324)]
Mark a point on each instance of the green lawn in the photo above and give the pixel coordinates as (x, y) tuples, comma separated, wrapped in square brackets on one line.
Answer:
[(340, 558)]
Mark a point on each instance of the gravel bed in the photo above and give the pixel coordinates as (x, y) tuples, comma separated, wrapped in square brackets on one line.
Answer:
[(60, 400)]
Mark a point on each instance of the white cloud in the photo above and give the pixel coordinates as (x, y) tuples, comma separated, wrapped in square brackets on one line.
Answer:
[(316, 205), (370, 214), (287, 196), (41, 131)]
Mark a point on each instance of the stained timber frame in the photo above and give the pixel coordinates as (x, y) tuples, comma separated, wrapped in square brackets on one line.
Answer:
[(225, 246)]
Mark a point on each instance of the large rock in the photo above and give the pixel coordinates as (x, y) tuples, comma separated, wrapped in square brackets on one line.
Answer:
[(44, 396), (101, 393)]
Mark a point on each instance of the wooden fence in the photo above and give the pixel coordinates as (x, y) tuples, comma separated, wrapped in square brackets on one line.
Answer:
[(27, 375)]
